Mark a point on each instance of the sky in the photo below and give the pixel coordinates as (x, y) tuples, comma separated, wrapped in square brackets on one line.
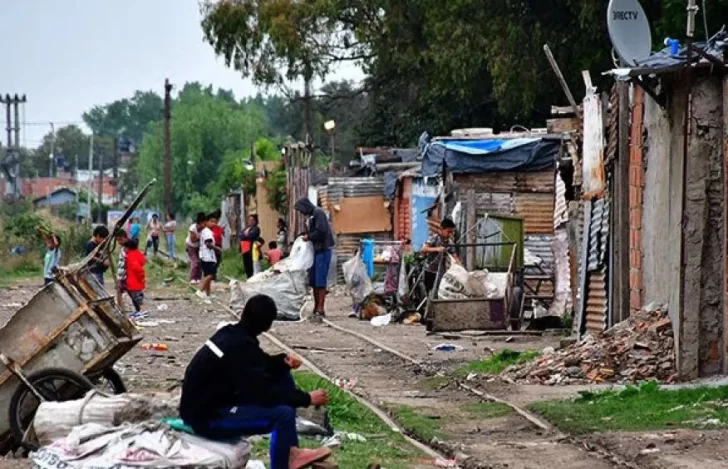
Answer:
[(70, 55)]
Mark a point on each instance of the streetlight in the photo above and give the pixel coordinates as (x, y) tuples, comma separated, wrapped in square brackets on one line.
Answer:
[(330, 127)]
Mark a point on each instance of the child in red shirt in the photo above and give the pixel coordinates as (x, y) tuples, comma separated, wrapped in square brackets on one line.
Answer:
[(274, 254), (136, 281), (218, 233)]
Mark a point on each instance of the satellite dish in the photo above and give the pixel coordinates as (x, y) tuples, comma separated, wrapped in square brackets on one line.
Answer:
[(629, 30)]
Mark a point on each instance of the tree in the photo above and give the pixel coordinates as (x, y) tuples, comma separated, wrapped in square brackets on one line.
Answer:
[(69, 141), (128, 117), (210, 136), (278, 41)]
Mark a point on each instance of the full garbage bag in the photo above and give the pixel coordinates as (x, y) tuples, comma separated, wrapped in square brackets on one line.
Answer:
[(358, 283), (148, 445), (286, 282)]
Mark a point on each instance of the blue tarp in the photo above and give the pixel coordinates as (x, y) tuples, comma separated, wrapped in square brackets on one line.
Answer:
[(490, 156)]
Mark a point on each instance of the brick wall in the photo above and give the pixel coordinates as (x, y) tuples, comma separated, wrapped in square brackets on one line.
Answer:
[(636, 188), (403, 211)]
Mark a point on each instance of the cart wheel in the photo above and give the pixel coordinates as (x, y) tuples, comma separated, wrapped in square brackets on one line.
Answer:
[(514, 312), (54, 384), (109, 380)]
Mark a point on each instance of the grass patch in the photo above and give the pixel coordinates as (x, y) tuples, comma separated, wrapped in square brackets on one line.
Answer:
[(433, 382), (383, 446), (644, 407), (486, 410), (412, 420), (497, 363)]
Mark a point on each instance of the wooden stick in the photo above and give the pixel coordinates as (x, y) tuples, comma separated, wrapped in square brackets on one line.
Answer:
[(373, 342), (562, 80)]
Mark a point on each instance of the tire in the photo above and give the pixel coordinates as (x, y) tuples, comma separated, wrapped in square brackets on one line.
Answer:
[(54, 384), (109, 380)]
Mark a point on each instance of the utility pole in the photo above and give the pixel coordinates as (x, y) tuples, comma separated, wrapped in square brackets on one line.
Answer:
[(90, 177), (115, 180), (167, 148), (12, 153), (53, 150), (101, 186)]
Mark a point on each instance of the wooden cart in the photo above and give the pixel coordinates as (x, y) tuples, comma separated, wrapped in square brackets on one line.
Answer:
[(480, 313), (62, 343)]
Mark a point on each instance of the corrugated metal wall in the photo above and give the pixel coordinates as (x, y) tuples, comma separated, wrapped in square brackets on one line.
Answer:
[(596, 304)]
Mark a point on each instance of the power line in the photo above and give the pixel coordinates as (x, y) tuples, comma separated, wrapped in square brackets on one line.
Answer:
[(48, 123)]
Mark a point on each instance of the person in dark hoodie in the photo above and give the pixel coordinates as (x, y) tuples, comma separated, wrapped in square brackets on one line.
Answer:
[(233, 388), (318, 231)]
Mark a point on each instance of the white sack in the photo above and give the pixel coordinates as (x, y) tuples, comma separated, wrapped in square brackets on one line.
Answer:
[(149, 445)]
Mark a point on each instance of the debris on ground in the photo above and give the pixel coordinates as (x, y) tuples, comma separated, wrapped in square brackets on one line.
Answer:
[(447, 348), (640, 348)]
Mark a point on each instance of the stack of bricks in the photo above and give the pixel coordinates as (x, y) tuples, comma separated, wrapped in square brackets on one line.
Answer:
[(636, 190), (403, 211)]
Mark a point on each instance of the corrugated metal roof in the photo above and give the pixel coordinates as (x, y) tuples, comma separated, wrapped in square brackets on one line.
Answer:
[(537, 211), (598, 234), (561, 210), (339, 188)]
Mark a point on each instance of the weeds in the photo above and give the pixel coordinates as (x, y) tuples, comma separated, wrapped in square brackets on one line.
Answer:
[(497, 363), (643, 407)]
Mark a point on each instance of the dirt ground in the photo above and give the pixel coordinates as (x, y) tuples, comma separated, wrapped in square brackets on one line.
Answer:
[(508, 441)]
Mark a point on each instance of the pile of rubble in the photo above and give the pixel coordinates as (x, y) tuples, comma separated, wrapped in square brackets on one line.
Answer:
[(640, 348)]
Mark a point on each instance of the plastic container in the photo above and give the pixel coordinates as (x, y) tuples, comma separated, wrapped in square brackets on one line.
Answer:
[(367, 255)]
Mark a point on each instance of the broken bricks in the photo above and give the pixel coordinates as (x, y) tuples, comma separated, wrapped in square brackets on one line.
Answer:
[(639, 348)]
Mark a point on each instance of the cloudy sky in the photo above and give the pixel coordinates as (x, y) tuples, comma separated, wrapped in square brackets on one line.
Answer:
[(69, 55)]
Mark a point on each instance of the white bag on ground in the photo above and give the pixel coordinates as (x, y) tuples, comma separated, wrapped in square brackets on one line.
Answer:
[(149, 445), (55, 420), (358, 283)]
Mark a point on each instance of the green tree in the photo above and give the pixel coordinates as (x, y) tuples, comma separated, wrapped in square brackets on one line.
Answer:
[(128, 117), (210, 136), (69, 141)]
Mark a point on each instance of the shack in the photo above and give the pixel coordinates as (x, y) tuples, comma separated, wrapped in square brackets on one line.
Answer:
[(497, 176), (654, 189)]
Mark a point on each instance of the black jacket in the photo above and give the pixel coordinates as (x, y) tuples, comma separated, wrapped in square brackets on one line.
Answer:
[(318, 226), (233, 371)]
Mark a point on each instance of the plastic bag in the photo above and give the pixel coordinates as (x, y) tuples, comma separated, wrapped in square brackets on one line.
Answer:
[(288, 289), (357, 281), (301, 257)]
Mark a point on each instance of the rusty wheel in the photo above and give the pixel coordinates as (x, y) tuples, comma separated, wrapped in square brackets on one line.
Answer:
[(54, 384)]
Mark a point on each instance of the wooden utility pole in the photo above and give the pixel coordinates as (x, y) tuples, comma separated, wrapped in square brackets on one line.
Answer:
[(167, 148)]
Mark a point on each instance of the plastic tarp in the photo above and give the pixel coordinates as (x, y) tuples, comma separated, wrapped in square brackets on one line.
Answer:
[(491, 155), (145, 445)]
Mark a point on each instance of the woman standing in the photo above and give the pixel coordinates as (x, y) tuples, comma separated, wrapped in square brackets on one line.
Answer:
[(192, 247), (170, 228), (153, 227), (250, 235)]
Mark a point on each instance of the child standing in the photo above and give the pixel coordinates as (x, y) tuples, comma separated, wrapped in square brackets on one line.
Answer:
[(169, 232), (257, 248), (136, 280), (97, 266), (52, 256), (208, 257), (274, 254), (122, 238)]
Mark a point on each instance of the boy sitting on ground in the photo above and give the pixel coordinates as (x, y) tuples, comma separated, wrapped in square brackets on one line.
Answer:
[(233, 388)]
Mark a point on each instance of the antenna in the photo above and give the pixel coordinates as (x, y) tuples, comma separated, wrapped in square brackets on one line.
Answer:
[(629, 30)]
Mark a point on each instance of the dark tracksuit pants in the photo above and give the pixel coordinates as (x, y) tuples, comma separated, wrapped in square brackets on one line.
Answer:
[(249, 420)]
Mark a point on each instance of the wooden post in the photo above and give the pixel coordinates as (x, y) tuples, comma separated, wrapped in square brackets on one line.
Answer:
[(472, 231)]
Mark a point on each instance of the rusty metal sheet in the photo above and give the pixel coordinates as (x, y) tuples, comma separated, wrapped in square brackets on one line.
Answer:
[(540, 246), (537, 211), (593, 174), (487, 202), (540, 181), (596, 302)]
